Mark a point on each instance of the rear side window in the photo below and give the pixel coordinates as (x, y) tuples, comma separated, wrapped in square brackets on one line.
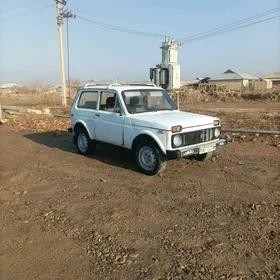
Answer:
[(109, 102), (88, 100)]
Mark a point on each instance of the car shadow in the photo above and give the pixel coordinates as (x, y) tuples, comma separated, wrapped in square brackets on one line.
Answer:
[(105, 153)]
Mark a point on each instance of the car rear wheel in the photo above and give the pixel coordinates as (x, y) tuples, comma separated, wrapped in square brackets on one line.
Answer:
[(84, 144), (149, 159)]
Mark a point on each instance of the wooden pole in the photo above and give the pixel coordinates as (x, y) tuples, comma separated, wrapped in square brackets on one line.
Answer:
[(61, 54), (0, 112), (2, 121)]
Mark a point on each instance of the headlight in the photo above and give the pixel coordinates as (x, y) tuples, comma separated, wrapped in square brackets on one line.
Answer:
[(217, 132), (177, 140)]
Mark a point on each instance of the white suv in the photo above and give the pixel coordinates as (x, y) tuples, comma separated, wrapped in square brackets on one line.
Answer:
[(145, 120)]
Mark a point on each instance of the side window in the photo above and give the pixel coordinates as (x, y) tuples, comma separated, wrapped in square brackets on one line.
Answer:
[(88, 100), (109, 102)]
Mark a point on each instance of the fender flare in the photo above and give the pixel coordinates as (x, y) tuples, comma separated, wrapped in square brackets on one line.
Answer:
[(154, 137), (82, 123)]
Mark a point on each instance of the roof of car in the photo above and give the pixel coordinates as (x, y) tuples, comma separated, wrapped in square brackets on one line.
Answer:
[(121, 88)]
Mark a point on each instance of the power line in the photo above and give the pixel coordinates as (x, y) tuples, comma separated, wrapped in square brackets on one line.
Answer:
[(232, 24), (33, 11), (228, 30), (26, 4), (227, 26), (117, 28)]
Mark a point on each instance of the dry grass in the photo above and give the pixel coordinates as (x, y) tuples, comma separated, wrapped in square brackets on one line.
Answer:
[(37, 96)]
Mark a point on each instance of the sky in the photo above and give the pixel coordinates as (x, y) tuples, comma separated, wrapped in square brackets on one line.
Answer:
[(29, 52)]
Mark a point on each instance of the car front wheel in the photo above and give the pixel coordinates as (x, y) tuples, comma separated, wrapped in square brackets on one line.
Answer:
[(149, 159)]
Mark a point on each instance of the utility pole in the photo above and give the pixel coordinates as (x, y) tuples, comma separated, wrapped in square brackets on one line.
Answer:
[(62, 70), (67, 14), (60, 15)]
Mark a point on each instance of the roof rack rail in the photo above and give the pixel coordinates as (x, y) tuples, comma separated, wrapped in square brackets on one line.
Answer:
[(115, 84), (142, 84), (88, 85), (91, 85), (94, 85)]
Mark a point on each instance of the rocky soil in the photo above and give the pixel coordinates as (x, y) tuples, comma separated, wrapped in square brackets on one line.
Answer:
[(65, 216)]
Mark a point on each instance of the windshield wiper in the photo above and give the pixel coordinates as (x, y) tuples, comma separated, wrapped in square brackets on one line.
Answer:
[(165, 110)]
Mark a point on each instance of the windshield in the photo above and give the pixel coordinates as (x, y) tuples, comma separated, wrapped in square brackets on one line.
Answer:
[(147, 100)]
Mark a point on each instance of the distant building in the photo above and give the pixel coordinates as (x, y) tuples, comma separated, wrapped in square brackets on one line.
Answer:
[(8, 86), (203, 80), (184, 83), (262, 84), (195, 82), (274, 77), (233, 80)]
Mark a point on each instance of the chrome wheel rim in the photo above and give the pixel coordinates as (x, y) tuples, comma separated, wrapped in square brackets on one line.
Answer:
[(147, 158), (82, 142)]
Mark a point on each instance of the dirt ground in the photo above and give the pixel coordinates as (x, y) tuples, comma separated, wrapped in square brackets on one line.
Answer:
[(65, 216)]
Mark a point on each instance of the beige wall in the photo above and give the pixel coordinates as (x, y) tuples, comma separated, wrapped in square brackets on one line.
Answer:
[(262, 84), (276, 83), (231, 84)]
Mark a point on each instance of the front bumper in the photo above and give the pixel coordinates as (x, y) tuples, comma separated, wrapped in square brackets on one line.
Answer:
[(198, 149)]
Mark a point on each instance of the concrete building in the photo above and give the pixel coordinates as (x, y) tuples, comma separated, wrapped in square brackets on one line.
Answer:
[(233, 80), (262, 84), (274, 77)]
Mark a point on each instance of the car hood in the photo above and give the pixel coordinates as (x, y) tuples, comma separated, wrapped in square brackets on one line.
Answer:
[(166, 119)]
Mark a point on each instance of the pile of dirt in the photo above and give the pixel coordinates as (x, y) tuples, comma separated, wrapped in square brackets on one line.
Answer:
[(37, 123), (248, 120), (274, 95), (189, 95)]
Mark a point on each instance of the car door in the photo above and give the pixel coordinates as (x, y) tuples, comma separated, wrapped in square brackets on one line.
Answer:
[(86, 109), (109, 123)]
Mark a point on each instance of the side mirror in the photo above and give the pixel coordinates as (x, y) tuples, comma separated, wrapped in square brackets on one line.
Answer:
[(119, 111)]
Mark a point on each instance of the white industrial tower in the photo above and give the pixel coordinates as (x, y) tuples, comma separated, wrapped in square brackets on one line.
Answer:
[(167, 74), (170, 60)]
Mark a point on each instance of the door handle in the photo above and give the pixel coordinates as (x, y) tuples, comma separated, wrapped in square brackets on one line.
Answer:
[(97, 115)]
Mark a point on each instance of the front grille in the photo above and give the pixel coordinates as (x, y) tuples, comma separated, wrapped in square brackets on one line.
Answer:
[(196, 137)]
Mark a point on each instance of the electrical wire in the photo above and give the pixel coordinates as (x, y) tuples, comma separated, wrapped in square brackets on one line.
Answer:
[(48, 6), (23, 5), (227, 26), (227, 30), (117, 28)]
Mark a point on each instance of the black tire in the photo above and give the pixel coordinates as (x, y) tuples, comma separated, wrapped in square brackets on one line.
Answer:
[(154, 154), (203, 157), (89, 147)]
